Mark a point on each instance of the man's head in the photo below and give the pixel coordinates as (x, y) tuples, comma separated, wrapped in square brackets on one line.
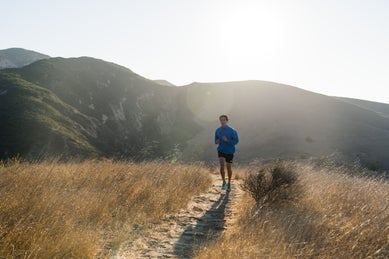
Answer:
[(223, 120)]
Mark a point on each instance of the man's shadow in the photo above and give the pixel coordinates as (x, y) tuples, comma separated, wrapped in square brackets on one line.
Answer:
[(209, 227)]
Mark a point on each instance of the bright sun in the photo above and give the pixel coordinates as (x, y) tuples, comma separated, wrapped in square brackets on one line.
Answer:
[(248, 31)]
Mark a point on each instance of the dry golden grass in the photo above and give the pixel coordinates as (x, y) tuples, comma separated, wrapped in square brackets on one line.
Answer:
[(86, 209), (330, 215)]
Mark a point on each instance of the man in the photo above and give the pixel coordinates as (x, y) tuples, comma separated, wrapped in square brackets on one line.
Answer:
[(226, 138)]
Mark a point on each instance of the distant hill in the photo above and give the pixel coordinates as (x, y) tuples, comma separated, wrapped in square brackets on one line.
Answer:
[(89, 107), (35, 121), (18, 57), (164, 82), (381, 108), (123, 113), (281, 121)]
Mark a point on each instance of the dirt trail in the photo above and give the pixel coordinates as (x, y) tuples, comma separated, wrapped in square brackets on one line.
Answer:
[(179, 235)]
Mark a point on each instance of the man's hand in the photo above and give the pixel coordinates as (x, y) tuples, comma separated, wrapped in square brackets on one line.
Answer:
[(225, 138), (218, 141)]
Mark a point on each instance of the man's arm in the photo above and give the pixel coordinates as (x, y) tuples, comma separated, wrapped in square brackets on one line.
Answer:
[(217, 140), (235, 139)]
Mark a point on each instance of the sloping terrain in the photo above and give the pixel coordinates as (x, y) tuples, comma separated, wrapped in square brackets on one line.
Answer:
[(35, 122), (280, 121), (381, 108), (127, 115), (133, 116)]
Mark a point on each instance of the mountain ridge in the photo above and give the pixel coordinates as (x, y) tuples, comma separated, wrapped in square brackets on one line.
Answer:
[(118, 113), (379, 107), (19, 57), (130, 111)]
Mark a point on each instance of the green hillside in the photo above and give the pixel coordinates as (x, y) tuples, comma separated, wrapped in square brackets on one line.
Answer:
[(85, 106), (36, 123), (133, 116)]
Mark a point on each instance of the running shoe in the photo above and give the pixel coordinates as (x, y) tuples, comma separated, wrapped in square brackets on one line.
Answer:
[(224, 186)]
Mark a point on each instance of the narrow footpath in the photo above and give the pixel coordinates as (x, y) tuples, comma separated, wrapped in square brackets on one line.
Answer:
[(181, 234)]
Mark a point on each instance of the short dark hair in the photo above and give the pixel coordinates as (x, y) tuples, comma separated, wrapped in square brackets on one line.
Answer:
[(223, 116)]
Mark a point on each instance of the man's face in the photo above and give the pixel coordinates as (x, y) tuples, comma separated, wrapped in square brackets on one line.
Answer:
[(223, 121)]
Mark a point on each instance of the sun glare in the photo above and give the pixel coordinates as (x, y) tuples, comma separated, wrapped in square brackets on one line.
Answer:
[(248, 32)]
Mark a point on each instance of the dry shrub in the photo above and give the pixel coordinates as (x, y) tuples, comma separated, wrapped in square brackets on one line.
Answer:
[(271, 183), (87, 209), (338, 216)]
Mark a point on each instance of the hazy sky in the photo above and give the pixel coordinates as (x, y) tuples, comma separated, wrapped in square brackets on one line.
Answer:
[(332, 47)]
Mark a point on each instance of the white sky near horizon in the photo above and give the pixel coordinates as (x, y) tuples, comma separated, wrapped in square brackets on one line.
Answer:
[(331, 47)]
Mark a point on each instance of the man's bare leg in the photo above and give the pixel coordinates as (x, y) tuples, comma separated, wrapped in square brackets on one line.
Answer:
[(229, 171), (222, 161)]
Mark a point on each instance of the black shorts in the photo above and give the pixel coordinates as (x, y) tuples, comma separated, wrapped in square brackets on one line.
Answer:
[(228, 157)]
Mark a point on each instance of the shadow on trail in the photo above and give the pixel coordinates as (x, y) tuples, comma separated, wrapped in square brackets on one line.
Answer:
[(208, 227)]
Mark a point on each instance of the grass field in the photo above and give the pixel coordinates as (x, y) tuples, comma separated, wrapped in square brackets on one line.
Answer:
[(316, 213), (291, 209), (87, 209)]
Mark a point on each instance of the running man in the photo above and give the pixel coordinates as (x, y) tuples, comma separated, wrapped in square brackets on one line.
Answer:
[(226, 138)]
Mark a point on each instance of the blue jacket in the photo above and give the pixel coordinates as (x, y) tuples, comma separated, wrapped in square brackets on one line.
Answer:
[(226, 147)]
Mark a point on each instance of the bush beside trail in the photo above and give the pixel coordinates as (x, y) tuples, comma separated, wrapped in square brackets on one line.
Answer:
[(296, 209), (275, 182)]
